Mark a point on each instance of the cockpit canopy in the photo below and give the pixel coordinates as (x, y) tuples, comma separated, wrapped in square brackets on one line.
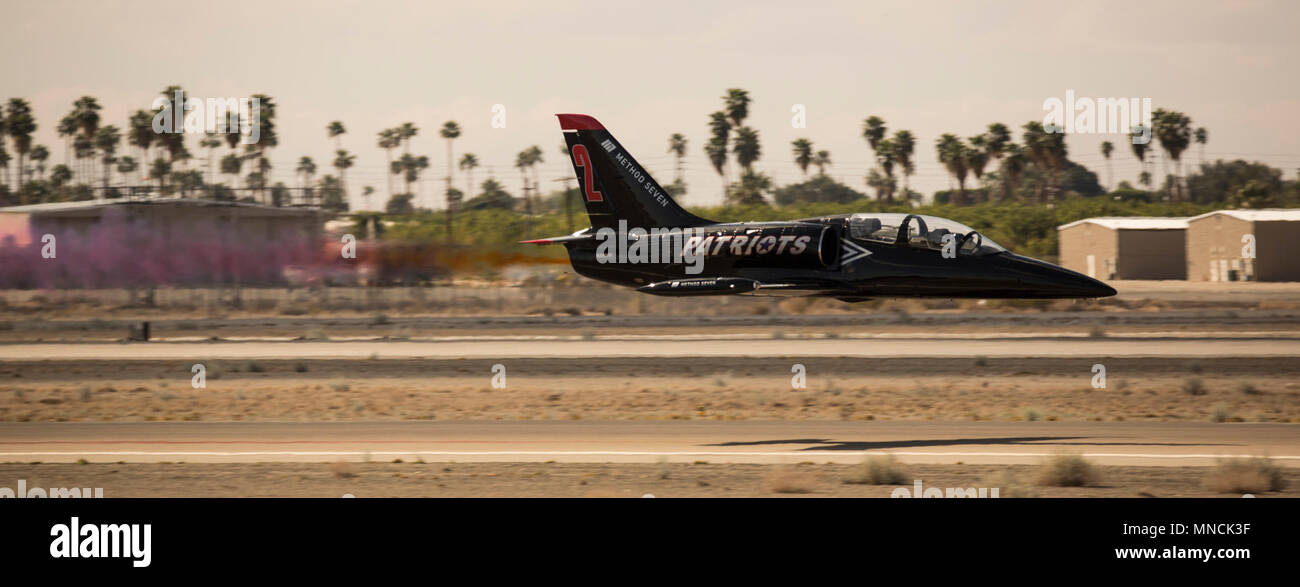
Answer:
[(922, 231)]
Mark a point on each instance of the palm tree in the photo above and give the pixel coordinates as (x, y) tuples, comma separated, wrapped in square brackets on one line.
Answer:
[(1106, 149), (211, 143), (389, 139), (307, 169), (746, 148), (1201, 136), (450, 130), (67, 129), (60, 175), (737, 107), (4, 153), (1140, 151), (335, 130), (160, 169), (1046, 151), (20, 125), (82, 148), (107, 140), (126, 165), (233, 129), (142, 135), (85, 111), (873, 131), (803, 155), (977, 156), (231, 165), (332, 196), (406, 132), (5, 157), (534, 159), (716, 148), (952, 154), (677, 146), (570, 193), (409, 167), (267, 138), (173, 142), (1013, 165), (998, 138), (1174, 131), (904, 149), (522, 161), (343, 161), (886, 157), (822, 161), (39, 154), (468, 162)]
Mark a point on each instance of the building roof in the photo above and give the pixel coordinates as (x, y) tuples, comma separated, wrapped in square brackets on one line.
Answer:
[(1265, 215), (1133, 223)]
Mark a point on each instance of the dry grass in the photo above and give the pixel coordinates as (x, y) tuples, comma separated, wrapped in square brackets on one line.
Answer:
[(329, 390), (1255, 475), (1194, 386), (1068, 471), (787, 480), (1008, 485), (342, 470), (878, 470)]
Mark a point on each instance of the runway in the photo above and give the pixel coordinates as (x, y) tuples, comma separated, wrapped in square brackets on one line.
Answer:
[(762, 346), (1110, 443)]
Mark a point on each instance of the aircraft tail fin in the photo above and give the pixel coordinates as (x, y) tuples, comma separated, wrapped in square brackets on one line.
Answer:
[(612, 185)]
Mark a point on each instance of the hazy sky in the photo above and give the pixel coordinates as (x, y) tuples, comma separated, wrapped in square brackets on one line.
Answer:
[(650, 69)]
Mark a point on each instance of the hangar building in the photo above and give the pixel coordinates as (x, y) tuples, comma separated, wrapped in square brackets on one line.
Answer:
[(1219, 245), (1125, 247)]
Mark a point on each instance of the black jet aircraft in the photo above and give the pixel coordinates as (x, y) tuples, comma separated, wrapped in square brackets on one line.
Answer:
[(639, 237)]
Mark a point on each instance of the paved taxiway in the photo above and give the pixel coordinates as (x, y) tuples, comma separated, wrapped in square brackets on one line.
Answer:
[(675, 347), (1112, 443)]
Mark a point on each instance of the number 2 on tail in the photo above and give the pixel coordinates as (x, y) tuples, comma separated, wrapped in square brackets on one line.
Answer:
[(583, 160)]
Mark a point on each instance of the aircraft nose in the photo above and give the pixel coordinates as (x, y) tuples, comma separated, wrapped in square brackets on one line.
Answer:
[(1101, 290), (1048, 280)]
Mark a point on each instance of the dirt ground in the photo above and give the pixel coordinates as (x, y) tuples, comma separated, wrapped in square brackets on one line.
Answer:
[(701, 479), (1004, 389)]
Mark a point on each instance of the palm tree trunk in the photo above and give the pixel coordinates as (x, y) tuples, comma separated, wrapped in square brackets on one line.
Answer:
[(528, 207), (450, 213), (388, 152)]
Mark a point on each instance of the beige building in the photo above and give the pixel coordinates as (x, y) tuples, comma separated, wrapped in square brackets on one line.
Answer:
[(1125, 247), (165, 241), (1244, 245)]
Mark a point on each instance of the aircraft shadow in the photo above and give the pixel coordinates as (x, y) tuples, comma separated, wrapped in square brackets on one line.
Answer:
[(826, 444)]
